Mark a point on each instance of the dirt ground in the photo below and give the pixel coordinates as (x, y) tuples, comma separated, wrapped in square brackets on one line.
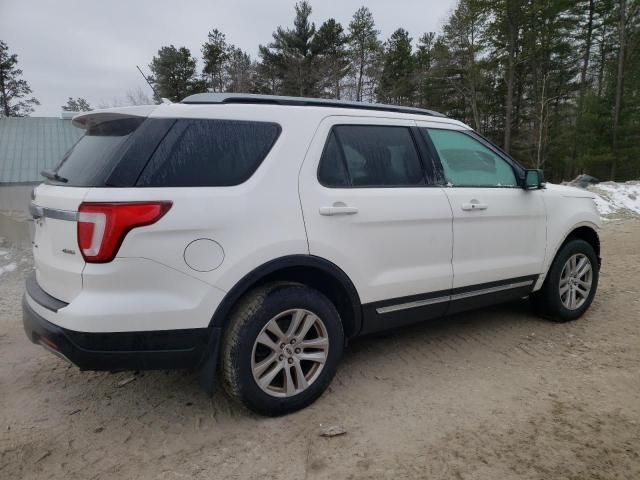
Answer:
[(493, 394)]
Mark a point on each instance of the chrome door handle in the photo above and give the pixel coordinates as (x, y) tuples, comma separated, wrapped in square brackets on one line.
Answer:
[(474, 205), (338, 210)]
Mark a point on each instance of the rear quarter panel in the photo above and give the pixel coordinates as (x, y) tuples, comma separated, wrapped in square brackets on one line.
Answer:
[(254, 222)]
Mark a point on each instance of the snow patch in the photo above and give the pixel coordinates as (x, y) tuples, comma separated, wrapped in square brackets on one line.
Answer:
[(8, 268), (621, 199)]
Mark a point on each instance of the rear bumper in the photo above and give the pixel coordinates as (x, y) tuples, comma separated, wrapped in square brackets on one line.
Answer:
[(160, 349)]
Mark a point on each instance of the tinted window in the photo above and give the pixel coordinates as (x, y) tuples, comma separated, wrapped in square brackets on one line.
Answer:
[(332, 171), (468, 163), (91, 159), (369, 156), (209, 153)]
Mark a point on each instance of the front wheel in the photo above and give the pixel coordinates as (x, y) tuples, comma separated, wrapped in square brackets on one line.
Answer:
[(571, 283), (281, 348)]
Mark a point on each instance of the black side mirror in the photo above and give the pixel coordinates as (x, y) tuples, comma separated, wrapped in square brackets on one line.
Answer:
[(533, 179)]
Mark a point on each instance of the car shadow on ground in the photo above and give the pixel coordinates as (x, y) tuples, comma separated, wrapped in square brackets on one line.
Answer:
[(177, 392)]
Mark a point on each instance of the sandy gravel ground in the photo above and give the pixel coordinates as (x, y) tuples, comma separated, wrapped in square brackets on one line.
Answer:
[(494, 394)]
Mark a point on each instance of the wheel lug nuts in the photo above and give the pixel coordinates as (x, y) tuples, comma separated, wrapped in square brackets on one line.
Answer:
[(290, 360), (282, 345), (298, 350), (293, 340), (280, 357)]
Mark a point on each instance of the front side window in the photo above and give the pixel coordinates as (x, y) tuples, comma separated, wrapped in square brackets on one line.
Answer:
[(467, 162), (370, 156), (209, 153)]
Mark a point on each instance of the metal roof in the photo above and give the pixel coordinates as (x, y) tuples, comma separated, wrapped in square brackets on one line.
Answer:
[(29, 145), (227, 98)]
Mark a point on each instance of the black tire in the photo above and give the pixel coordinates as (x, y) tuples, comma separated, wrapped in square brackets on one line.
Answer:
[(547, 302), (251, 315)]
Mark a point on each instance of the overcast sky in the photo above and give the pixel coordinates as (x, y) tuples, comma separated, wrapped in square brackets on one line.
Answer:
[(90, 49)]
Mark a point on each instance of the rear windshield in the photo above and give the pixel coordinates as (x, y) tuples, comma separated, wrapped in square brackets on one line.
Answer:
[(89, 162)]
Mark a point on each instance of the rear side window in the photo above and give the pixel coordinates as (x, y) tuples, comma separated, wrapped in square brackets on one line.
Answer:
[(370, 156), (214, 153), (90, 161)]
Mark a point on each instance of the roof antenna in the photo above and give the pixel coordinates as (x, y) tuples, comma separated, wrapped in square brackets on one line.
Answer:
[(148, 82)]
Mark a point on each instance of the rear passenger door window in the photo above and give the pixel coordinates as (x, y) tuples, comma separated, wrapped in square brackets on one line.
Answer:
[(209, 153), (467, 162), (370, 156)]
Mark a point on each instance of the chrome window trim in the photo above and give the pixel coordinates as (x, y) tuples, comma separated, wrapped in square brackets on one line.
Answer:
[(457, 296), (484, 291), (417, 303)]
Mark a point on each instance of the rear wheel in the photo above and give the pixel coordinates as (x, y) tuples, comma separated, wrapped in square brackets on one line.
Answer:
[(281, 348), (571, 283)]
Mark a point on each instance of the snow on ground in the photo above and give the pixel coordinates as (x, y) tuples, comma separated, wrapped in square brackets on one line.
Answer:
[(617, 199), (8, 268)]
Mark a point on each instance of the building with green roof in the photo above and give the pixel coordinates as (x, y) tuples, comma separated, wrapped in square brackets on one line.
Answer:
[(28, 145)]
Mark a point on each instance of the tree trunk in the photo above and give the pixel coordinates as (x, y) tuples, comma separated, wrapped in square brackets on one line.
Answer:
[(3, 97), (541, 125), (512, 38), (619, 85), (359, 82), (583, 86), (603, 56), (508, 104)]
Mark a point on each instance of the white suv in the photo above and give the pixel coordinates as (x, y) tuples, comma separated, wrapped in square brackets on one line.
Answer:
[(254, 235)]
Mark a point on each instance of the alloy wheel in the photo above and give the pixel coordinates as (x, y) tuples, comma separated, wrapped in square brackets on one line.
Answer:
[(289, 353), (575, 281)]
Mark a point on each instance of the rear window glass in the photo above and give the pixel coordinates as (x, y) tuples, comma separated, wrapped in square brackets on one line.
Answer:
[(198, 153), (370, 156), (93, 157)]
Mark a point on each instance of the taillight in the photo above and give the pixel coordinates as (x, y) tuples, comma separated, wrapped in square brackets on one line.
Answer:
[(103, 226)]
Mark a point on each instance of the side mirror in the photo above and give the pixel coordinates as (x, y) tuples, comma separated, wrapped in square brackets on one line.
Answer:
[(533, 179)]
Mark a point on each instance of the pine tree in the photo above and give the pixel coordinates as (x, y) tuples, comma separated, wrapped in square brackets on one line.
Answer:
[(463, 35), (174, 74), (216, 53), (77, 105), (240, 71), (365, 49), (292, 57), (14, 91), (330, 45), (397, 78), (424, 61)]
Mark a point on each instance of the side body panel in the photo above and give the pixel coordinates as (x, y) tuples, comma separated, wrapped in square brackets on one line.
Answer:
[(507, 240), (499, 233), (398, 243)]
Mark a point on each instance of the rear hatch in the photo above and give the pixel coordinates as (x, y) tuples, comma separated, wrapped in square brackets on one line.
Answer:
[(106, 155), (58, 260)]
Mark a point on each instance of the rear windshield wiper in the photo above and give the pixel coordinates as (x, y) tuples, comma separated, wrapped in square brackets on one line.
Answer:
[(51, 175)]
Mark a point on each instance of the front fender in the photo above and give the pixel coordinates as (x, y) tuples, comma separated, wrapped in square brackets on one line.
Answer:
[(564, 216)]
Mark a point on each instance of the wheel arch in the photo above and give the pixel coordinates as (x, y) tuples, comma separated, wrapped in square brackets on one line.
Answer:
[(586, 231), (315, 272)]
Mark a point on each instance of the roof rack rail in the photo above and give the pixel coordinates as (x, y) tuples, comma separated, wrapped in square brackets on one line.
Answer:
[(248, 98)]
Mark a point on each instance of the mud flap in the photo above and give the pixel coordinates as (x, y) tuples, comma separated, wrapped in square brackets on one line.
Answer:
[(207, 371)]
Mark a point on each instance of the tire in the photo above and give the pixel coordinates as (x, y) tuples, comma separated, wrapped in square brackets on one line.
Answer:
[(548, 302), (245, 351)]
